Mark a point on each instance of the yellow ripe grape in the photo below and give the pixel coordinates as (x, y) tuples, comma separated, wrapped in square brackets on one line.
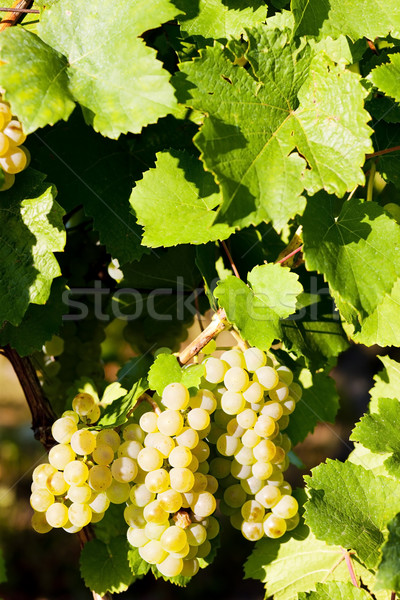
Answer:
[(267, 377), (154, 531), (79, 514), (137, 537), (198, 419), (62, 429), (56, 484), (280, 455), (80, 494), (133, 432), (170, 500), (204, 399), (155, 513), (150, 459), (285, 374), (41, 499), (60, 456), (163, 443), (190, 567), (293, 522), (14, 132), (118, 492), (288, 406), (133, 516), (4, 144), (233, 402), (196, 534), (5, 114), (99, 502), (252, 531), (175, 396), (140, 495), (157, 481), (234, 429), (247, 418), (265, 426), (253, 511), (201, 451), (250, 438), (180, 457), (245, 456), (262, 470), (171, 566), (215, 370), (72, 415), (181, 480), (286, 443), (173, 539), (83, 403), (39, 522), (254, 393), (189, 438), (69, 528), (285, 488), (212, 528), (273, 410), (254, 359), (83, 442), (76, 472), (94, 414), (124, 469), (57, 515), (200, 482), (274, 527), (252, 485), (8, 182), (228, 445), (204, 505), (148, 422), (103, 454), (236, 379), (234, 358), (109, 437), (41, 474), (279, 393), (130, 448), (203, 433), (268, 496), (240, 471), (96, 517), (283, 422), (170, 422), (212, 484), (100, 478), (286, 508)]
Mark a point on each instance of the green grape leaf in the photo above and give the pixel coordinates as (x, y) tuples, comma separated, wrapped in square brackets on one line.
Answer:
[(139, 567), (354, 251), (218, 19), (96, 172), (116, 413), (334, 590), (3, 576), (112, 524), (294, 99), (294, 563), (369, 460), (31, 231), (30, 64), (256, 309), (386, 77), (350, 506), (388, 575), (355, 18), (134, 369), (387, 383), (105, 567), (112, 73), (38, 324), (166, 369), (379, 432), (174, 202), (319, 402)]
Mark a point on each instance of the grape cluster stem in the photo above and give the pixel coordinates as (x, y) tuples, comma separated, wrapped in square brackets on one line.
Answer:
[(13, 17), (217, 325), (42, 420)]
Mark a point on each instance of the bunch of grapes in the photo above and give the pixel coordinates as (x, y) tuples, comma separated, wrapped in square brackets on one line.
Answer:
[(170, 514), (169, 468), (13, 157), (256, 397)]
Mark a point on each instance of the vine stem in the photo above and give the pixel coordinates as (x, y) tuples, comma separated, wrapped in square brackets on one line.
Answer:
[(382, 152), (229, 255), (217, 325), (371, 181), (42, 419), (285, 258), (393, 596), (15, 13), (350, 567)]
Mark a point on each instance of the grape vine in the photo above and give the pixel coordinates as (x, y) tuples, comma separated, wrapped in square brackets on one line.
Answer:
[(200, 213)]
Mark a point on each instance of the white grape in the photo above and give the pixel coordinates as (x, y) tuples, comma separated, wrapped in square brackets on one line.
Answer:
[(170, 422), (250, 438), (279, 393), (254, 393), (204, 505), (233, 402), (148, 422), (133, 432), (118, 492), (83, 442), (130, 448), (188, 438), (204, 399), (137, 537), (267, 376), (252, 531), (155, 513), (76, 472), (150, 459), (109, 437), (268, 496), (83, 403), (62, 430), (235, 496), (124, 469), (56, 484), (157, 481), (103, 454), (15, 133), (274, 527), (79, 514), (234, 358), (198, 419), (236, 379), (228, 445), (286, 508), (171, 566), (254, 359), (170, 500), (181, 480), (41, 499), (134, 516), (247, 418), (57, 515), (252, 485), (60, 455), (273, 410), (175, 396), (140, 495), (100, 478)]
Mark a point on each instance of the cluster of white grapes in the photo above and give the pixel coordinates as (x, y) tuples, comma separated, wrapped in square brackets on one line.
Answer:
[(13, 157), (171, 466), (256, 397)]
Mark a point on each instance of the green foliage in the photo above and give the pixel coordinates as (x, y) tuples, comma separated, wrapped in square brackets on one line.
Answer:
[(388, 575), (256, 309), (336, 591), (350, 506), (106, 567), (3, 576), (166, 370)]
